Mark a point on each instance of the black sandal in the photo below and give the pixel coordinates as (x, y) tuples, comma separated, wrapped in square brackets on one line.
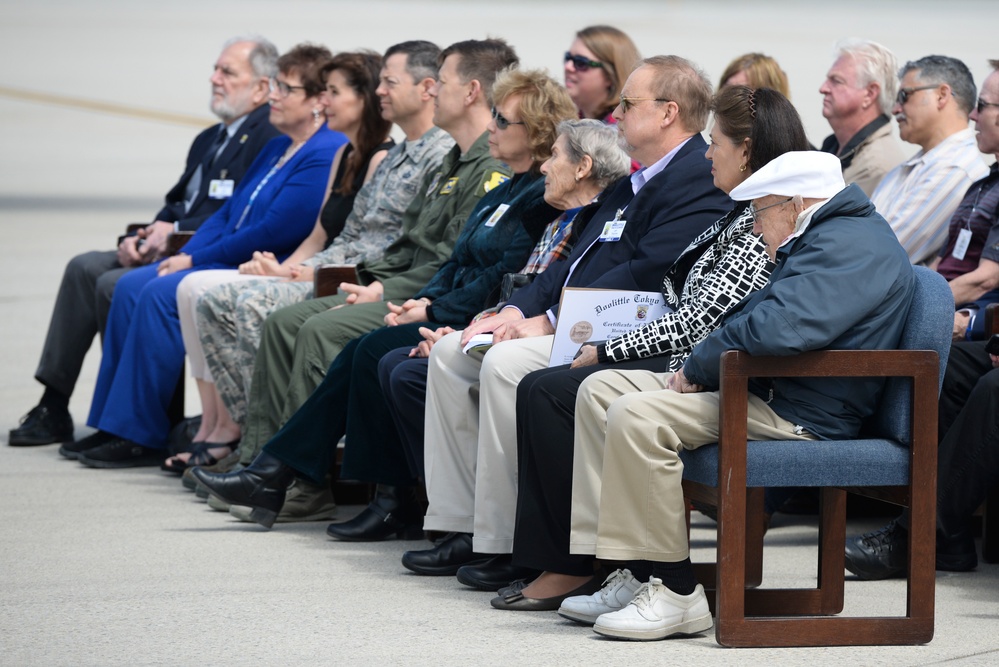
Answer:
[(200, 456)]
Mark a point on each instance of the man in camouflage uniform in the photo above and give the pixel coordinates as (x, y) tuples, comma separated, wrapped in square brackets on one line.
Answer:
[(301, 341), (231, 316)]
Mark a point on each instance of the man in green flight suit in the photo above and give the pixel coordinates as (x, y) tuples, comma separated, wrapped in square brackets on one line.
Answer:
[(301, 341)]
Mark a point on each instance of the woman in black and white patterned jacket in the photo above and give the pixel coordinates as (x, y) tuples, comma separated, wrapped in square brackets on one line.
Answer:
[(717, 270)]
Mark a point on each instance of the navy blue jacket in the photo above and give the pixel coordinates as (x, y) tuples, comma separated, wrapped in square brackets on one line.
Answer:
[(482, 254), (667, 214), (844, 284), (237, 157)]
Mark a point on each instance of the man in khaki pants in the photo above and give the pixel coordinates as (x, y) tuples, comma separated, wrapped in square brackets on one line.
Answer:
[(842, 281)]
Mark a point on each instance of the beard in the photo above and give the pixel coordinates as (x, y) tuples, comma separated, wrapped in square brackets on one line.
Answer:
[(232, 106)]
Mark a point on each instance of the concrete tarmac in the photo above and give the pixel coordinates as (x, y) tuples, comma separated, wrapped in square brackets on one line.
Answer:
[(126, 568)]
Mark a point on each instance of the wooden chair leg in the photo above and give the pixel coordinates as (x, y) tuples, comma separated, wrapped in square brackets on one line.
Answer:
[(832, 545)]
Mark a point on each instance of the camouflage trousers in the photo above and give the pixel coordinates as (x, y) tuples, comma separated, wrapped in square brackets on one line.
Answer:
[(230, 320)]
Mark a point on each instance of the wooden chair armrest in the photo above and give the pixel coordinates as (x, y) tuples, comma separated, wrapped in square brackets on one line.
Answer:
[(327, 278), (991, 321), (176, 241), (922, 366), (130, 230)]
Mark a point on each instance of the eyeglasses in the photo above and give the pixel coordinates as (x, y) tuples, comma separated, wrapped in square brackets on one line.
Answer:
[(628, 102), (502, 123), (903, 93), (283, 89), (982, 104), (753, 211), (581, 63)]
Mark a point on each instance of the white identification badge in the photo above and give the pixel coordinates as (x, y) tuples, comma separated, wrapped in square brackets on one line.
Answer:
[(612, 230), (961, 246), (497, 214), (220, 188)]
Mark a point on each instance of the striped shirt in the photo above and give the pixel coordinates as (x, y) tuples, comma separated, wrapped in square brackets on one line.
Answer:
[(918, 196)]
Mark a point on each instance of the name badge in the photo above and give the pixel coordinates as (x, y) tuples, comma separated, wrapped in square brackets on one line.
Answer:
[(961, 245), (497, 214), (612, 230), (220, 188)]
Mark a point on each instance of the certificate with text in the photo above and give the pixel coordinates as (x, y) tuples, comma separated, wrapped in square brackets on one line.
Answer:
[(586, 315)]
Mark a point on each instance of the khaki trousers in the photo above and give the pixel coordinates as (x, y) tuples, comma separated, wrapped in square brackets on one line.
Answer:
[(627, 502), (470, 450)]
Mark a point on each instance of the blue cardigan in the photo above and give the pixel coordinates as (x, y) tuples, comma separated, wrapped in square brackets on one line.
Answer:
[(283, 212)]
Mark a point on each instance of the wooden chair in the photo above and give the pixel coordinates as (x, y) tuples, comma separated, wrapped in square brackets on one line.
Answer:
[(894, 461)]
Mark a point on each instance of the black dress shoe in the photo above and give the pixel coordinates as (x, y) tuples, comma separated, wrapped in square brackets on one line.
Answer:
[(514, 600), (444, 559), (881, 554), (394, 511), (261, 485), (496, 573), (42, 426), (121, 453), (956, 553), (72, 450)]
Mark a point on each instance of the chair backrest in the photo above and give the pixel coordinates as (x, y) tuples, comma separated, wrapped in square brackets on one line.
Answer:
[(928, 326)]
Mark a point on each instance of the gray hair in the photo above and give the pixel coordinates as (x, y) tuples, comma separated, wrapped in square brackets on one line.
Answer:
[(263, 56), (875, 64), (944, 69), (598, 140), (421, 58)]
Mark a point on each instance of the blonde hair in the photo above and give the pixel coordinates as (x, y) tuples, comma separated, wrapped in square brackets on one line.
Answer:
[(761, 72), (544, 103)]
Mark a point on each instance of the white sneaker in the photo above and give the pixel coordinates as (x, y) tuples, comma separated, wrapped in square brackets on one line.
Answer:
[(618, 589), (656, 612)]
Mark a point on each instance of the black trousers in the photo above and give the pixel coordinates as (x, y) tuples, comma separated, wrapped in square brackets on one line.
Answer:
[(349, 401), (404, 381), (968, 458), (80, 313), (546, 409)]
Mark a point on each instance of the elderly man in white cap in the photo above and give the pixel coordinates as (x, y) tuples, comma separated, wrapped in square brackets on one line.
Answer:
[(842, 281)]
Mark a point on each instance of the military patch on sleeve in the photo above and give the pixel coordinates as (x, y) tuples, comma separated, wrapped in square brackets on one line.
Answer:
[(496, 178), (449, 185), (433, 183)]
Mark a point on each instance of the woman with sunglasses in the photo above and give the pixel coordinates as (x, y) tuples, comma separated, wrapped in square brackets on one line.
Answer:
[(240, 300), (719, 268), (497, 239), (597, 64)]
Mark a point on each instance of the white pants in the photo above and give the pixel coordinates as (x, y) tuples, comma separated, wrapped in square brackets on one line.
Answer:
[(188, 291), (470, 439)]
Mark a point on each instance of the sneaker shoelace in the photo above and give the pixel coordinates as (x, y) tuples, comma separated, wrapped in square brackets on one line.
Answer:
[(643, 596), (612, 582)]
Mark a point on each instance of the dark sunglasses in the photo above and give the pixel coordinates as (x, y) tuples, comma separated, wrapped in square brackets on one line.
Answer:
[(502, 123), (582, 63), (980, 107), (903, 93)]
